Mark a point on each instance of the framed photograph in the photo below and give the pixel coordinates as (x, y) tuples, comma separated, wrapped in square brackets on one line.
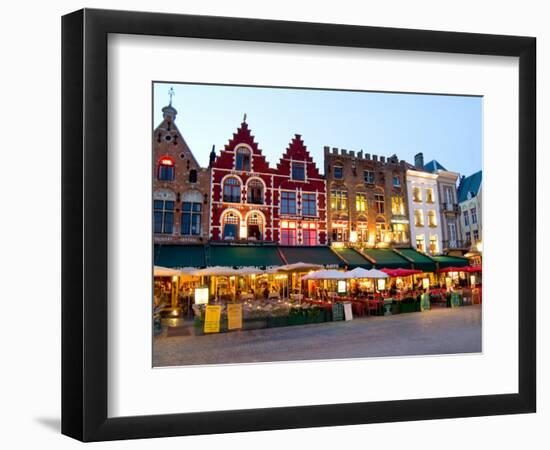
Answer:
[(272, 224)]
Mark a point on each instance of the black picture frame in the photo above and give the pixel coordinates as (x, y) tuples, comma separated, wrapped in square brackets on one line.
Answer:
[(84, 224)]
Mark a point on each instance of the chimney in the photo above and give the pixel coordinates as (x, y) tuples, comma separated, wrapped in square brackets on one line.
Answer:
[(419, 160)]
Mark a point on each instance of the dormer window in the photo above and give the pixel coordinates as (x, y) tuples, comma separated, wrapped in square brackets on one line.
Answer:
[(298, 171), (242, 159), (166, 169)]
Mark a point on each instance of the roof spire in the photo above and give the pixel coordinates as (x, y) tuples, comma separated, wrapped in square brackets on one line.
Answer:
[(171, 93), (244, 118)]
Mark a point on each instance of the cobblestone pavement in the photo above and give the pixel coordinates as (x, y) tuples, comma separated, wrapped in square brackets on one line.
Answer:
[(439, 331)]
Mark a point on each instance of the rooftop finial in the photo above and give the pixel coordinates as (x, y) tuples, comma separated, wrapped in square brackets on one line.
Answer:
[(244, 118), (171, 93)]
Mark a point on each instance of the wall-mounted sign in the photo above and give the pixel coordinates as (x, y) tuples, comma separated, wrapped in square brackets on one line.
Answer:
[(212, 319)]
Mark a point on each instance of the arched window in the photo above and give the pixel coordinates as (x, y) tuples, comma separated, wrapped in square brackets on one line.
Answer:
[(254, 227), (255, 192), (230, 224), (192, 176), (166, 169), (242, 158), (232, 190)]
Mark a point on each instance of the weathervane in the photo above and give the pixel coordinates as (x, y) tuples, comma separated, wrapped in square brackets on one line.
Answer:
[(171, 93)]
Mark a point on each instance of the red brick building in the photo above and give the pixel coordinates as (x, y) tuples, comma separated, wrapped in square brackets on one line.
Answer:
[(252, 202), (180, 186)]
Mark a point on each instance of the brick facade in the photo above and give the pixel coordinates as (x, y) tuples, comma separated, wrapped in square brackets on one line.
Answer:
[(180, 187), (252, 202), (367, 199)]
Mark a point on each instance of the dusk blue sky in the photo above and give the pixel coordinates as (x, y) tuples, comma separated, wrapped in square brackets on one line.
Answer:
[(443, 127)]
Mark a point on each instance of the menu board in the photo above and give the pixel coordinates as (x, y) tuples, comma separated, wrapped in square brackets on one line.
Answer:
[(234, 316), (337, 311), (212, 319)]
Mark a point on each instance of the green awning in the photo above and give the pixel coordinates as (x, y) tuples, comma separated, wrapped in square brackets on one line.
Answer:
[(313, 255), (386, 258), (244, 256), (353, 258), (419, 260), (170, 255), (450, 261)]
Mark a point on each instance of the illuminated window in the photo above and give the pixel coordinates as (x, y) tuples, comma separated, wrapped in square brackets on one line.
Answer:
[(254, 227), (432, 222), (433, 245), (418, 218), (232, 190), (399, 231), (163, 216), (309, 205), (361, 201), (242, 160), (339, 233), (230, 226), (368, 176), (338, 172), (397, 205), (255, 192), (288, 202), (379, 202), (430, 195), (191, 218), (420, 243), (288, 232), (339, 200), (309, 233), (380, 229), (298, 171), (166, 169), (417, 195)]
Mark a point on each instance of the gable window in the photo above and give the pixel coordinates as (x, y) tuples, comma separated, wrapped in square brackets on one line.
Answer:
[(368, 176), (309, 233), (309, 205), (339, 200), (232, 190), (192, 176), (166, 169), (288, 232), (338, 172), (191, 218), (242, 161), (163, 216), (396, 181), (231, 226), (255, 192), (298, 171), (288, 202), (379, 201)]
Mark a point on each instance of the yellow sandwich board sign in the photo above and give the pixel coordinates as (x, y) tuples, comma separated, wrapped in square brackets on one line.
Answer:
[(234, 316), (212, 319)]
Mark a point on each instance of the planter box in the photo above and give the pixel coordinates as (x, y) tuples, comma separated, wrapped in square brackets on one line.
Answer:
[(409, 307), (273, 322)]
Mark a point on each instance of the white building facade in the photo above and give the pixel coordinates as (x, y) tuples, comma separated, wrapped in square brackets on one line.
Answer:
[(424, 211)]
